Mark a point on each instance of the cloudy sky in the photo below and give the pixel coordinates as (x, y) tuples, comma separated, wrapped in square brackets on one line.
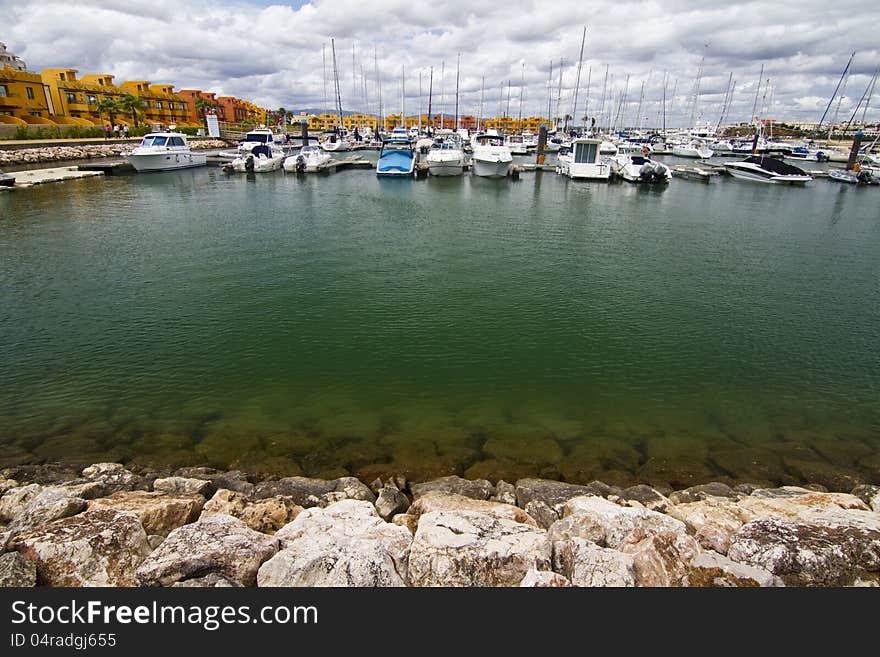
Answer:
[(271, 53)]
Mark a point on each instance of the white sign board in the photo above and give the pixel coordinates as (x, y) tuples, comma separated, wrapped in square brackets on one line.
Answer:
[(213, 125)]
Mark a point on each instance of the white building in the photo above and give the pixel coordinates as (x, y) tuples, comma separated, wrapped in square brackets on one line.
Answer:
[(10, 60)]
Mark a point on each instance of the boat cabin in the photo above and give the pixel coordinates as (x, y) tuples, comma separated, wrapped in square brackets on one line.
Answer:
[(586, 151), (486, 139), (163, 140)]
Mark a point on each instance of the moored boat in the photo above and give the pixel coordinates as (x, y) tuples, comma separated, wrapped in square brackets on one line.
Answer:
[(637, 168), (694, 148), (584, 161), (445, 157), (261, 159), (164, 151), (491, 158), (308, 160), (397, 159), (764, 169)]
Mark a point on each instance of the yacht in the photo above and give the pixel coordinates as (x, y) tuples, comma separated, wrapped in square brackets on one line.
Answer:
[(308, 160), (761, 168), (336, 143), (261, 136), (491, 158), (694, 148), (446, 156), (516, 144), (397, 159), (261, 159), (584, 161), (164, 151), (639, 168)]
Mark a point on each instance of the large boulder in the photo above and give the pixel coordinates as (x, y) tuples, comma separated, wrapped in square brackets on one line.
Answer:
[(16, 571), (555, 493), (266, 515), (614, 522), (344, 544), (437, 501), (648, 497), (228, 479), (187, 486), (710, 569), (478, 489), (391, 502), (214, 544), (811, 553), (468, 548), (870, 495), (661, 558), (307, 492), (544, 579), (712, 521), (96, 548), (159, 513), (34, 505), (586, 564), (702, 492)]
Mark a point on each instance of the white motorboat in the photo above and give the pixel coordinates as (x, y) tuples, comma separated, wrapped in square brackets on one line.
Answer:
[(261, 136), (261, 159), (516, 144), (445, 157), (694, 148), (164, 151), (336, 143), (584, 161), (308, 160), (491, 158), (607, 148), (397, 159), (760, 168), (638, 168)]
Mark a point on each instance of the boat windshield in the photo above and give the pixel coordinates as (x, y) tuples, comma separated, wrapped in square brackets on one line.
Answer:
[(396, 146), (153, 141), (490, 140), (254, 136)]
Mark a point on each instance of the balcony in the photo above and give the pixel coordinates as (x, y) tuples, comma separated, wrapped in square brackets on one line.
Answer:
[(13, 100), (81, 107)]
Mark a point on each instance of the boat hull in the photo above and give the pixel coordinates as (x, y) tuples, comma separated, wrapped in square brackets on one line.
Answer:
[(260, 164), (754, 176), (446, 168), (491, 168), (166, 161)]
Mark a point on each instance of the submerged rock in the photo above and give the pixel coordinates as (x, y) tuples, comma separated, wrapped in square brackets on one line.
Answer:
[(467, 548), (217, 544), (95, 548), (344, 544)]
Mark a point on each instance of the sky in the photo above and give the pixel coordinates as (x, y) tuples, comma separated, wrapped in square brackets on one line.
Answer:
[(279, 54)]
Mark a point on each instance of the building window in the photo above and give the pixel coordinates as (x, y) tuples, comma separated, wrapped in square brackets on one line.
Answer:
[(91, 100), (4, 92), (146, 104), (158, 104), (71, 98), (30, 92), (100, 82), (63, 78)]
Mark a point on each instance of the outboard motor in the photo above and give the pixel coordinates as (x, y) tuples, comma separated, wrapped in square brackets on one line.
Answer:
[(300, 164), (249, 163), (821, 156)]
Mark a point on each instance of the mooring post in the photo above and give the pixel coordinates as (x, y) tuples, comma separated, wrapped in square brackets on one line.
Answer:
[(854, 151), (755, 142), (305, 132), (542, 143)]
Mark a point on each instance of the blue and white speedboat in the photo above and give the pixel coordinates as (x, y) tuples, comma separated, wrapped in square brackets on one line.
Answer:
[(397, 158)]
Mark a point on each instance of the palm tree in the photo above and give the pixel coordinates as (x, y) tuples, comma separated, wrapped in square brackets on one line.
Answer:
[(131, 104), (202, 106), (110, 106)]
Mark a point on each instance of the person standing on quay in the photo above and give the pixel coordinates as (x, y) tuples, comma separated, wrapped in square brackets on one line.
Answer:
[(125, 131), (106, 131)]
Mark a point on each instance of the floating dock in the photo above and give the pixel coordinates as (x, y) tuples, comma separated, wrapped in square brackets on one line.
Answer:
[(56, 174), (111, 168)]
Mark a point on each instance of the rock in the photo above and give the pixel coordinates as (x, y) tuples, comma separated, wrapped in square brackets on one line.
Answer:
[(870, 495), (41, 474), (703, 491), (158, 512), (155, 540), (575, 527), (231, 480), (184, 486), (266, 515), (307, 492), (217, 544), (504, 493), (95, 548), (661, 558), (648, 497), (712, 521), (440, 501), (586, 564), (16, 571), (466, 548), (479, 489), (555, 493), (543, 514), (390, 502), (7, 485), (211, 581), (544, 579), (710, 569), (617, 522), (807, 554), (344, 544), (756, 464), (34, 505), (114, 477)]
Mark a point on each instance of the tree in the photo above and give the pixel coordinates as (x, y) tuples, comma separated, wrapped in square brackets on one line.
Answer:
[(282, 114), (131, 104), (202, 106), (109, 106)]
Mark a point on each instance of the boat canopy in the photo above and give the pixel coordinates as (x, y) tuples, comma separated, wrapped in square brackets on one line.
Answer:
[(775, 165)]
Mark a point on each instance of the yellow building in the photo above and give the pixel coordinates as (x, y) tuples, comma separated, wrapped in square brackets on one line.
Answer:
[(160, 105), (23, 99), (76, 101)]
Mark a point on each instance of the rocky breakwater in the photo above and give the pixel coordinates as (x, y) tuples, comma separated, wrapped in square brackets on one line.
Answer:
[(198, 527), (84, 152)]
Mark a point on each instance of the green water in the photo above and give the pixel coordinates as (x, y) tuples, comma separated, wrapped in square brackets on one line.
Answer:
[(340, 324)]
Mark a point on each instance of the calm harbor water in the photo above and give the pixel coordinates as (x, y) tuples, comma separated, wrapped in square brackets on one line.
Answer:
[(341, 324)]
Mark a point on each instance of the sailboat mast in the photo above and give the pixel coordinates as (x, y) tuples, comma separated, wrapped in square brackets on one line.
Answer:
[(420, 101), (604, 91), (665, 83), (430, 97), (522, 79), (587, 99), (696, 92), (558, 93), (336, 82), (724, 103), (457, 70), (577, 82), (381, 125), (507, 111), (480, 113), (324, 61), (442, 91), (353, 74), (754, 116), (870, 94), (831, 100), (550, 92), (403, 94)]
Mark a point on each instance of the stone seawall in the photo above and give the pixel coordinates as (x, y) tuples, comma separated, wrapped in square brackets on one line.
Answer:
[(197, 527), (85, 151)]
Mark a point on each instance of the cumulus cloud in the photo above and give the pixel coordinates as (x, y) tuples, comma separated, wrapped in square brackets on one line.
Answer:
[(274, 53)]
